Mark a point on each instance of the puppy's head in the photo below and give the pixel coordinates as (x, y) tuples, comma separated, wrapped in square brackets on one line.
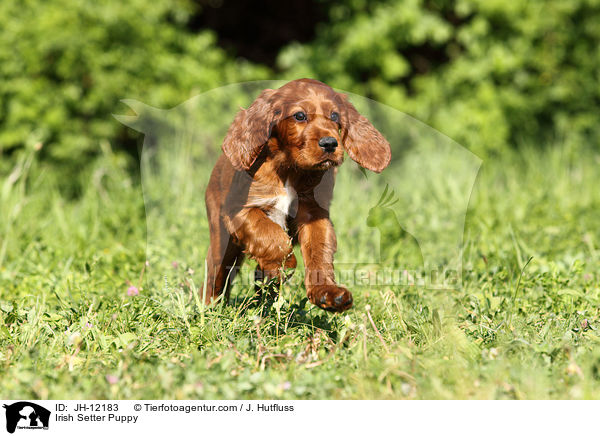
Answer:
[(312, 126)]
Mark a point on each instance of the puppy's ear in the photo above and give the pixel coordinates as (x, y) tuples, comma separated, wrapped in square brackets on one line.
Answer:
[(250, 130), (363, 142)]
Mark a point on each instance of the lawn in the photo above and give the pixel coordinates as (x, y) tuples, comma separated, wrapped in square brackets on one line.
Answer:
[(521, 324)]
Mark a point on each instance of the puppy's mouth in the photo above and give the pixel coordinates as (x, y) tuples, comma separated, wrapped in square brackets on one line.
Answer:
[(327, 163)]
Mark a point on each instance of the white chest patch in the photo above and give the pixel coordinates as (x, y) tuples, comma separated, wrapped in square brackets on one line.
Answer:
[(281, 206)]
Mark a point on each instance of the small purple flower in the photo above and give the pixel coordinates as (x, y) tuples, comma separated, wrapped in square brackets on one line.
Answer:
[(133, 291), (174, 264), (112, 379), (89, 325)]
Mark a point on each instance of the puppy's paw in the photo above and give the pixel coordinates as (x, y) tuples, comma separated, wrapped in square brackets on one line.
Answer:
[(290, 262), (279, 270), (330, 297)]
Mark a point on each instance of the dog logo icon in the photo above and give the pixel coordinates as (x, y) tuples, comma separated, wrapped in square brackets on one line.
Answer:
[(26, 415)]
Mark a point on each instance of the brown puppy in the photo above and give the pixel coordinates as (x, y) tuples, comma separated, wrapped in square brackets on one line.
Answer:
[(273, 185)]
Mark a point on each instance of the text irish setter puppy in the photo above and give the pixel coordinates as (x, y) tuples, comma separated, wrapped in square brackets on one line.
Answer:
[(273, 185)]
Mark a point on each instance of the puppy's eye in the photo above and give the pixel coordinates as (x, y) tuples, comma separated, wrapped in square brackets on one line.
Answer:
[(335, 116), (300, 116)]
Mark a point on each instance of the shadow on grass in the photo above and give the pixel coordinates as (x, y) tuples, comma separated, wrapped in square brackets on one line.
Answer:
[(297, 315)]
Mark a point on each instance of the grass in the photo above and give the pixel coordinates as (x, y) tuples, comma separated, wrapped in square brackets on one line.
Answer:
[(523, 324)]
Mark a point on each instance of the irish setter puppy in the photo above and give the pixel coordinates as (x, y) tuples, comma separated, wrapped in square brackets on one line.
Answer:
[(273, 185)]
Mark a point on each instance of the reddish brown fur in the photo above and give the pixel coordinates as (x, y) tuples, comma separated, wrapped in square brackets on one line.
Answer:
[(265, 148)]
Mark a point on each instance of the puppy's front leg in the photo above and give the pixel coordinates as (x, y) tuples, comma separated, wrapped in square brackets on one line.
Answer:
[(318, 245), (264, 241)]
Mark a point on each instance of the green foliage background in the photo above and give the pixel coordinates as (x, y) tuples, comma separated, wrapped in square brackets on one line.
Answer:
[(65, 66), (490, 74)]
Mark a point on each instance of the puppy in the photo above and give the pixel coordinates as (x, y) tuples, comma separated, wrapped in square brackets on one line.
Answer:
[(273, 184)]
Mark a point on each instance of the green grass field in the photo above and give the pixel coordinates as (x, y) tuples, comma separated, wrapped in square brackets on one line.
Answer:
[(514, 329)]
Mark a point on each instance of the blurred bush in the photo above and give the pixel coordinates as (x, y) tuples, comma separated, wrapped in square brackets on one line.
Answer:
[(488, 73), (65, 65)]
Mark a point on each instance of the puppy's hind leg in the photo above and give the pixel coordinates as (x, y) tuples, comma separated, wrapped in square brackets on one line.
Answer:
[(223, 260)]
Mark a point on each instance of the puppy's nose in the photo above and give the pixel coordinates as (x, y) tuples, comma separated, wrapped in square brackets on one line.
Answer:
[(328, 143)]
